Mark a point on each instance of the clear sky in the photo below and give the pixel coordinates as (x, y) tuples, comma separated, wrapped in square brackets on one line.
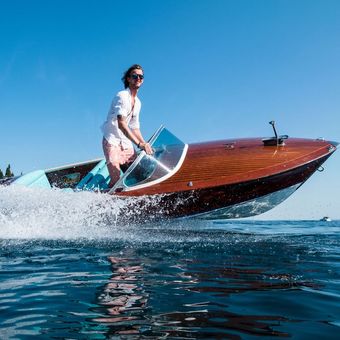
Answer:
[(213, 69)]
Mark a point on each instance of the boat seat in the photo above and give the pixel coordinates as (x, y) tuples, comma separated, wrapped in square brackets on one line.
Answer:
[(97, 178), (34, 179)]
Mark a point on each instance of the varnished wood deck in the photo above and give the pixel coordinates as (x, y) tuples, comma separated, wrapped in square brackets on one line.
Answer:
[(234, 161)]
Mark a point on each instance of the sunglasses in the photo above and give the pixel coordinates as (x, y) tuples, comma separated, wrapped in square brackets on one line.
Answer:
[(135, 76)]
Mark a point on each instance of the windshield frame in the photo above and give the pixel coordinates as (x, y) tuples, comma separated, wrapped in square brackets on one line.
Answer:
[(121, 186)]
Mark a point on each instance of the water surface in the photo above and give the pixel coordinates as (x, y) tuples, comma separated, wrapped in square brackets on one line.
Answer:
[(70, 270)]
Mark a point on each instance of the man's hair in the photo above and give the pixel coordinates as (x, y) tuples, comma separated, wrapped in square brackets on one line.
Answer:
[(128, 73)]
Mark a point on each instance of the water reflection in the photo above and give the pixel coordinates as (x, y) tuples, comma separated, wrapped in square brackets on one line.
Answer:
[(213, 318), (233, 280), (219, 324), (175, 296), (123, 298)]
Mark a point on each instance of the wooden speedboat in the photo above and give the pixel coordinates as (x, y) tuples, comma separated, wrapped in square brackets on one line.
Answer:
[(221, 179)]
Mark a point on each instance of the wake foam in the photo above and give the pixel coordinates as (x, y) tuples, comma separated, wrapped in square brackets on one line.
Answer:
[(27, 213), (36, 213)]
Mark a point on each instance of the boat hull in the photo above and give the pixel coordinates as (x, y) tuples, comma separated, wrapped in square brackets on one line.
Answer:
[(235, 200)]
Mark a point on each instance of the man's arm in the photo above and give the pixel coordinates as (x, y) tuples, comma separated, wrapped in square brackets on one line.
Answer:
[(134, 135), (143, 144), (124, 127)]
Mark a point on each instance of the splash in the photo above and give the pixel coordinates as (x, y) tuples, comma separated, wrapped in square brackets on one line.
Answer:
[(37, 213), (52, 214)]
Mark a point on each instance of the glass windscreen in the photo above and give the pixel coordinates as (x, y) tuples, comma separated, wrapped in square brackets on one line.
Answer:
[(168, 150)]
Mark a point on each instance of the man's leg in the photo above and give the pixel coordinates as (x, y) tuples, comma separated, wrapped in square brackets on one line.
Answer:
[(127, 156), (112, 155)]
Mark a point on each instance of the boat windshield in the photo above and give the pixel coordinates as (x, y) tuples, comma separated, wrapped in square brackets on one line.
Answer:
[(169, 153)]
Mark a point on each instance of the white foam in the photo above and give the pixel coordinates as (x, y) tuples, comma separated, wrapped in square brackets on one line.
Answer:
[(27, 213), (36, 213)]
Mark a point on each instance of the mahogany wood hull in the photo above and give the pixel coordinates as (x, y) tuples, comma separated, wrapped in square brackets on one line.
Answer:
[(205, 200), (222, 174)]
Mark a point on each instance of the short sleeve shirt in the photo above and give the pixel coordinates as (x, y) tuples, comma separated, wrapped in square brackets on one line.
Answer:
[(121, 106)]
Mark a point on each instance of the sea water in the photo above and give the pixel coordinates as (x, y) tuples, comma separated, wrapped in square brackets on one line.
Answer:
[(69, 269)]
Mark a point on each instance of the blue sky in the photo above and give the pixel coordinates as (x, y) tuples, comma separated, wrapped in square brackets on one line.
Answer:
[(213, 69)]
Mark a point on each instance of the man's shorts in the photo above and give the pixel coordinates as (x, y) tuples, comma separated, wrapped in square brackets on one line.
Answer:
[(117, 155)]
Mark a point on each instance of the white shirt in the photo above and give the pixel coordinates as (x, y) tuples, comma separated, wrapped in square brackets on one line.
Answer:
[(121, 106)]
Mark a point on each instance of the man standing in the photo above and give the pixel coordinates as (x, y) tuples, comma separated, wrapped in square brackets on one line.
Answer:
[(121, 128)]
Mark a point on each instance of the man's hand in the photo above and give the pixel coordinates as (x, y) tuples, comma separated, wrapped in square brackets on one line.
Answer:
[(146, 147)]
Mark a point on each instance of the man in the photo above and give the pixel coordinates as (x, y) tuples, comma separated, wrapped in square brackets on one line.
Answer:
[(121, 128)]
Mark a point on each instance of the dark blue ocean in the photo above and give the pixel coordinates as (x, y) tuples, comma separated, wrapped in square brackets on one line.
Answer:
[(69, 269)]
